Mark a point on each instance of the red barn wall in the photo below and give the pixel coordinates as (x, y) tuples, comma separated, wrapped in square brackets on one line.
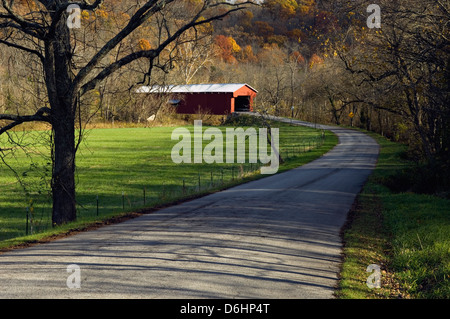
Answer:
[(211, 103)]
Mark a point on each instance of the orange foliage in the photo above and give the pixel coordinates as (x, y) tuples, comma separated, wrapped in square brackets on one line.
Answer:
[(227, 48), (101, 14), (144, 45), (297, 57), (315, 60)]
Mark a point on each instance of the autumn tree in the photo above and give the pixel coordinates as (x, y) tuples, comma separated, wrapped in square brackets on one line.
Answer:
[(404, 66), (281, 8), (227, 48), (400, 73), (41, 29)]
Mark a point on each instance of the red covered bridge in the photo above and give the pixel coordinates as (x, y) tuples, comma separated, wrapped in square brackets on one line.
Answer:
[(217, 99)]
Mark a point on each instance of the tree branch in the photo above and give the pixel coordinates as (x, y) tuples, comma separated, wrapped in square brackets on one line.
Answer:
[(136, 20), (18, 27), (151, 54), (23, 48), (39, 116), (25, 24)]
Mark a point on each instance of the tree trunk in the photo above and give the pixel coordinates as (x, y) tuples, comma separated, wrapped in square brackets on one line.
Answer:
[(63, 175), (61, 92)]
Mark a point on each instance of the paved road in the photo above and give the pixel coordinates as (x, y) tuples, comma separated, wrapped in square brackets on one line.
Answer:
[(277, 237)]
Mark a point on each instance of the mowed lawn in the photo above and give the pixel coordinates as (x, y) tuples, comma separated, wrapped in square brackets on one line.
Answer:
[(124, 169)]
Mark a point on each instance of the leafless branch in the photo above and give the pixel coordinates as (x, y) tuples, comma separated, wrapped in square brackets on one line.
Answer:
[(42, 115)]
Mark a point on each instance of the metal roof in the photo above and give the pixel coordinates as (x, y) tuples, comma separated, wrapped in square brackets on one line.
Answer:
[(194, 88)]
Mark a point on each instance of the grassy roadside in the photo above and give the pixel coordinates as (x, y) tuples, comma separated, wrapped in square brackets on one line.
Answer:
[(405, 233), (144, 157)]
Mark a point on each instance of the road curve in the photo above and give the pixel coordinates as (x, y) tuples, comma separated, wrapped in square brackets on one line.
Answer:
[(277, 237)]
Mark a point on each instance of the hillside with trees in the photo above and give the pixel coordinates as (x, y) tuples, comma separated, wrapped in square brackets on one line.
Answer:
[(327, 60)]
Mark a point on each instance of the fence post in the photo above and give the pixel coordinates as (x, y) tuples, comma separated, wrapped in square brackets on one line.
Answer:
[(26, 230)]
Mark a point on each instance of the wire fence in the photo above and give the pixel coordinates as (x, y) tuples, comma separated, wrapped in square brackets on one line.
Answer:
[(38, 219)]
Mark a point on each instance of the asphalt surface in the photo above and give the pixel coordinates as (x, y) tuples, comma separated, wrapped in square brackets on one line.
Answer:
[(277, 237)]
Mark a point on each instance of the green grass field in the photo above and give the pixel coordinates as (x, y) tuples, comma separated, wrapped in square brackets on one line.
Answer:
[(123, 168), (407, 234)]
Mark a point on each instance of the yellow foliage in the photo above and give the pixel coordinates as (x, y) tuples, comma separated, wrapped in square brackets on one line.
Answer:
[(206, 28), (97, 14), (144, 45), (101, 14), (235, 48), (85, 15), (247, 54)]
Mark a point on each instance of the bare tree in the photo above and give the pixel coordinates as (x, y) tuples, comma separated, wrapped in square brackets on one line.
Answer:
[(193, 57), (401, 68), (40, 29)]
